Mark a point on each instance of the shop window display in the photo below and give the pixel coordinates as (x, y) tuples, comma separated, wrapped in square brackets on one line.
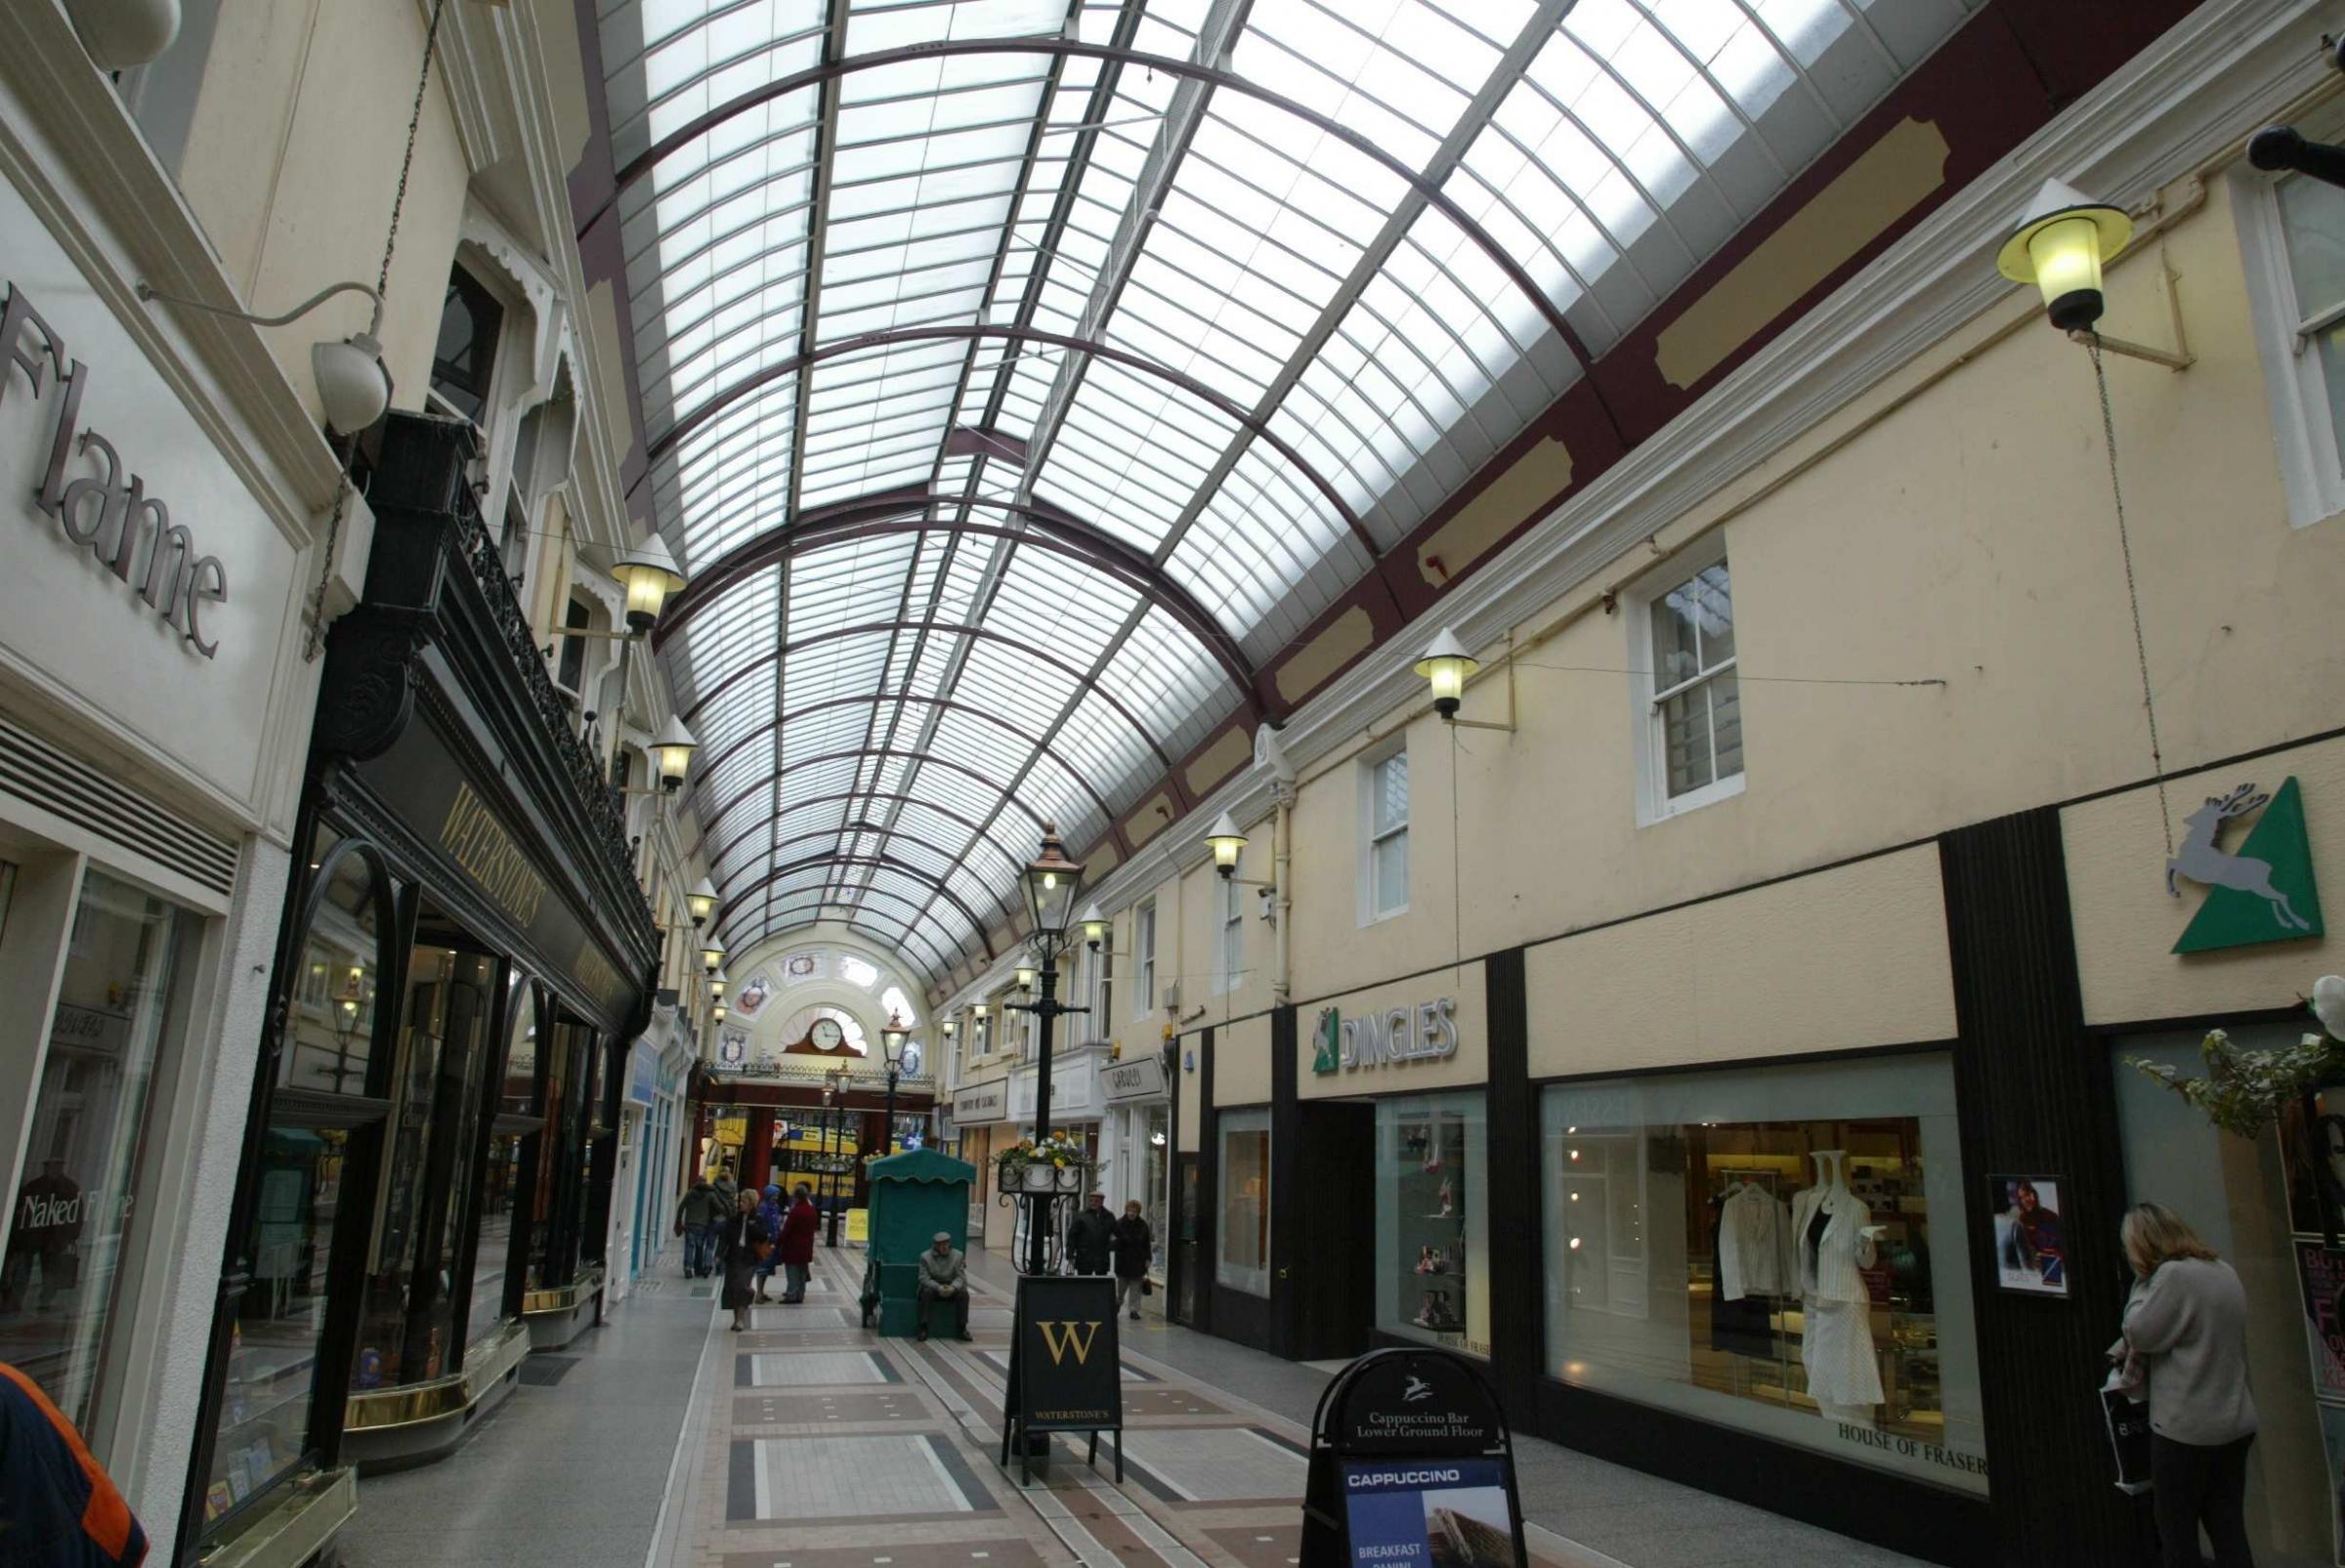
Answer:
[(70, 1236), (1245, 1239), (1432, 1221), (319, 1105), (405, 1331), (1757, 1249)]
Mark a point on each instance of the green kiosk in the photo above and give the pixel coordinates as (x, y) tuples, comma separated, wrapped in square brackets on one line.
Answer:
[(913, 1194)]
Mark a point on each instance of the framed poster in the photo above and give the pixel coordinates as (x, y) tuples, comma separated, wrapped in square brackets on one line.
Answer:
[(1430, 1514), (2321, 1272), (2029, 1255)]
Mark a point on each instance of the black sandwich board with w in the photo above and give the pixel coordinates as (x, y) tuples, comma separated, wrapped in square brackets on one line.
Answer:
[(1065, 1365)]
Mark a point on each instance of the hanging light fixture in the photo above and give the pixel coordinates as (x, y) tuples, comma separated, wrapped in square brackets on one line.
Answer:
[(1447, 665), (2062, 242), (649, 574), (701, 900), (1226, 843), (674, 752), (354, 388)]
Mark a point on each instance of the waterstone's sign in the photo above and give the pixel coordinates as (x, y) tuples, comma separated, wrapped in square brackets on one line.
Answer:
[(1423, 1033), (106, 512)]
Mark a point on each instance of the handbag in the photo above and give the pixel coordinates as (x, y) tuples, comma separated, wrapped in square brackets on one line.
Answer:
[(1148, 1285), (2128, 1422)]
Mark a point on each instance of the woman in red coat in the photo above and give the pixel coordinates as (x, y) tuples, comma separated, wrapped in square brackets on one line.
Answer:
[(795, 1249)]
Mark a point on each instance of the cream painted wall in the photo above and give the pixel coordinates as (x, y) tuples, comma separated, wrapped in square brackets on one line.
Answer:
[(1468, 1068), (2126, 925), (292, 163), (1848, 958), (1964, 537), (1242, 1062)]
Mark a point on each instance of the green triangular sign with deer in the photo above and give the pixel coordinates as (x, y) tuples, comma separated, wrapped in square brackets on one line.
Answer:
[(2261, 892)]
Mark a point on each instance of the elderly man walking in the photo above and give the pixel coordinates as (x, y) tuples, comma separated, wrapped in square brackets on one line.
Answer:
[(945, 1277)]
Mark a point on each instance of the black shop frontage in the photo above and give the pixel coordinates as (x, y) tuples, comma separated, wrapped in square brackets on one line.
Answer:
[(464, 959)]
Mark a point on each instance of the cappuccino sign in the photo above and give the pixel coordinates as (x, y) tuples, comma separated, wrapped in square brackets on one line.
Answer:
[(1426, 1031), (107, 513)]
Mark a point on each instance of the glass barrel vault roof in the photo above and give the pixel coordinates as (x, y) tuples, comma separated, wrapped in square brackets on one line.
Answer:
[(1230, 352)]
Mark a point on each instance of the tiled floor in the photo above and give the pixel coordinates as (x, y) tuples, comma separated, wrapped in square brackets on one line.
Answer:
[(807, 1443)]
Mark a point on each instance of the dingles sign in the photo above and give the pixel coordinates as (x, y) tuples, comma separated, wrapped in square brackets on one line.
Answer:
[(110, 515)]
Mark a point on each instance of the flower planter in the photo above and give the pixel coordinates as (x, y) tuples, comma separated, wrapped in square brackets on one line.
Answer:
[(1037, 1177), (1070, 1178)]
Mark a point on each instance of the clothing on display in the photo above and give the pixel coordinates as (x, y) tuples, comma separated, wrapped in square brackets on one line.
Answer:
[(1755, 1255), (1836, 1339), (1431, 1221)]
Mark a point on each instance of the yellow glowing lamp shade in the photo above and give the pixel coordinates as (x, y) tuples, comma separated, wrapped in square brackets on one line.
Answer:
[(673, 751), (2060, 246), (1095, 926), (1225, 841), (717, 984), (717, 1013), (977, 1010), (712, 954), (649, 574), (950, 1027), (701, 900), (1447, 664), (1025, 977)]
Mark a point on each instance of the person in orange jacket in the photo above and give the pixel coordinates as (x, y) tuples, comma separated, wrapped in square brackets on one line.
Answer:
[(58, 1508)]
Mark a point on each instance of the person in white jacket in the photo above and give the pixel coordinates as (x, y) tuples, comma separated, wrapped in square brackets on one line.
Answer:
[(2186, 1329)]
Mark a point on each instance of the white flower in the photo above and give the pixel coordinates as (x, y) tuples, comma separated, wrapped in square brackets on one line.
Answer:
[(2328, 1004)]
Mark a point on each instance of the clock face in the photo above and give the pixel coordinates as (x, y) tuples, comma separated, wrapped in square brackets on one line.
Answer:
[(826, 1034)]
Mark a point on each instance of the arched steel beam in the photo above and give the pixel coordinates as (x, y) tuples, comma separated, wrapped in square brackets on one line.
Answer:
[(872, 627), (822, 892), (1229, 408), (976, 829), (1189, 70), (869, 516), (776, 872), (928, 759), (1033, 743), (821, 899)]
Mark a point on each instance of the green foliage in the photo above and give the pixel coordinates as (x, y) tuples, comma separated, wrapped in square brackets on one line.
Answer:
[(2244, 1092)]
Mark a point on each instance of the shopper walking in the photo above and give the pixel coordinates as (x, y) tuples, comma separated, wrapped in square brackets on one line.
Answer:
[(2186, 1329), (58, 1509), (699, 1215), (945, 1277), (740, 1248), (795, 1247), (769, 1214), (1135, 1245), (1091, 1236)]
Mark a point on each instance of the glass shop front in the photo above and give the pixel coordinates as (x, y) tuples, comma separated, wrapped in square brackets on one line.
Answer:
[(1776, 1249)]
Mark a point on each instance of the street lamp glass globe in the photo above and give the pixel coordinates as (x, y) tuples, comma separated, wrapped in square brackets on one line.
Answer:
[(1051, 882)]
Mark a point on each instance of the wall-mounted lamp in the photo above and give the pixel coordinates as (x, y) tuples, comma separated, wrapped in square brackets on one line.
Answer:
[(1023, 977), (716, 986), (353, 386), (672, 754), (713, 954), (1227, 845), (118, 34), (977, 1012), (701, 900), (1446, 665), (950, 1027), (2064, 241), (717, 1013), (650, 575), (1094, 928)]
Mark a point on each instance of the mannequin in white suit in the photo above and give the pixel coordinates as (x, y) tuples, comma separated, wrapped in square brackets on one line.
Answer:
[(1835, 1233)]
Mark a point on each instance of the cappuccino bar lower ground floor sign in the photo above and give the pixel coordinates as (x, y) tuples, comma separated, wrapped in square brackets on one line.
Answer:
[(1066, 1368), (1411, 1467)]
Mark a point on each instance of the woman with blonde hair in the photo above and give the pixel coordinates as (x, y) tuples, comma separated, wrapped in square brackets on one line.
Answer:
[(2185, 1328)]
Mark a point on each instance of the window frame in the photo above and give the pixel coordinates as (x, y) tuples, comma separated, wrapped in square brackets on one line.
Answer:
[(1655, 802), (1230, 929), (1370, 910), (1143, 947), (2305, 440)]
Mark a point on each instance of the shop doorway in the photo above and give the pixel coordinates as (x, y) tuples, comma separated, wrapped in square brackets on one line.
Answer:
[(1334, 1261)]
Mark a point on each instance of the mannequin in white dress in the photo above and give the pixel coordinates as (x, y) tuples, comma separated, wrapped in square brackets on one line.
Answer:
[(1834, 1235)]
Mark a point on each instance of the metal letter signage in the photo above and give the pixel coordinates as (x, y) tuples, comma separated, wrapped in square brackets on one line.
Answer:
[(107, 513), (1423, 1033), (2261, 892)]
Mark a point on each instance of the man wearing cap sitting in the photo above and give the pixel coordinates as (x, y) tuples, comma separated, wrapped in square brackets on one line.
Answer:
[(945, 1277)]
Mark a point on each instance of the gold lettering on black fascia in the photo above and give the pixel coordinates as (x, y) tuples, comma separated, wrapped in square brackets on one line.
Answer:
[(479, 843)]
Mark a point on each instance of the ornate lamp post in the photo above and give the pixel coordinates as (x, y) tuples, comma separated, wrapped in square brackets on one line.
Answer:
[(891, 1041), (835, 1087), (1050, 880)]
